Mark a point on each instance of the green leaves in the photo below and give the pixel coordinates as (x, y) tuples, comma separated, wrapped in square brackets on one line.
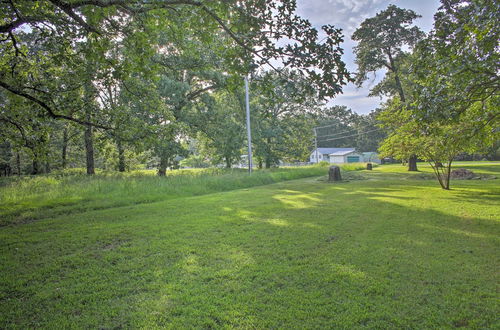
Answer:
[(458, 64), (381, 40)]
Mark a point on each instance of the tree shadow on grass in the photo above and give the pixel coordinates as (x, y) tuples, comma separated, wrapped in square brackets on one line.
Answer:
[(477, 195)]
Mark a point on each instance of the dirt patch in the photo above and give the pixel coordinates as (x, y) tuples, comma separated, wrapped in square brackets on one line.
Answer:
[(462, 174)]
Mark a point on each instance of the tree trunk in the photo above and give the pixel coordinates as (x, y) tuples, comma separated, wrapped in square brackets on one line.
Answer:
[(228, 162), (443, 175), (268, 153), (162, 169), (36, 165), (89, 150), (64, 151), (268, 162), (400, 87), (121, 156), (412, 163), (334, 173), (448, 175), (18, 164), (396, 78), (89, 97)]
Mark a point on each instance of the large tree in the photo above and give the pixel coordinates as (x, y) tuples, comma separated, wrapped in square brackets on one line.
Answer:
[(278, 101), (381, 45), (221, 129), (436, 142), (452, 80)]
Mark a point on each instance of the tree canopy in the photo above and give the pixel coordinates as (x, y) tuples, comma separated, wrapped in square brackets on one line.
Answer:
[(452, 83)]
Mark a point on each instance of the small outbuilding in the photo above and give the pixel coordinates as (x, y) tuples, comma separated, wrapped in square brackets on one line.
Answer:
[(343, 155), (324, 154), (348, 156)]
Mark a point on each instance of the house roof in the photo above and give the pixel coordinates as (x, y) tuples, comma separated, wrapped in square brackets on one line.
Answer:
[(329, 151), (342, 152)]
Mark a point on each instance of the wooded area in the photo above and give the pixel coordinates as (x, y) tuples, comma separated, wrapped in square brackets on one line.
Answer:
[(118, 84)]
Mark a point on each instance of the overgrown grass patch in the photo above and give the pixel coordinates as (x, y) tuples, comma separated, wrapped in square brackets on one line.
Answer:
[(297, 254), (29, 198)]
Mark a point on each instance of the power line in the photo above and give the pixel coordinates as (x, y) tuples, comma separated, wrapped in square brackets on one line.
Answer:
[(326, 126), (330, 135), (340, 133), (343, 137)]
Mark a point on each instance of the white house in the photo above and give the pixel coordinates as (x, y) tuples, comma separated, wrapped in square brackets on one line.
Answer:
[(324, 154), (343, 155), (346, 156)]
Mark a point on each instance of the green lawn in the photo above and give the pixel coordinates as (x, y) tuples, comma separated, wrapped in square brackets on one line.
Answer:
[(387, 249)]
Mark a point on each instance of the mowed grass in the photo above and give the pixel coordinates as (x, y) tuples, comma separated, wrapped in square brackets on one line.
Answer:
[(384, 250)]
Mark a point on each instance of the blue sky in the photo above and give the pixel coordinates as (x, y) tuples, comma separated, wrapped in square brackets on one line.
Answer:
[(348, 14)]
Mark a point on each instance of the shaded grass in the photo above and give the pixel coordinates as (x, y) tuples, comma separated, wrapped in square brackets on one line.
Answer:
[(30, 198), (298, 254)]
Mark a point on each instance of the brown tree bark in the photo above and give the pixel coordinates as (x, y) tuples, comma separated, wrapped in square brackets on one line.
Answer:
[(36, 165), (334, 173), (412, 163), (47, 166), (64, 151), (121, 156), (89, 150), (162, 169), (18, 164), (268, 153)]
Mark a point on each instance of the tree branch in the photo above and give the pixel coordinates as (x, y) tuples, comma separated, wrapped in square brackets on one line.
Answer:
[(48, 109), (68, 9), (5, 28)]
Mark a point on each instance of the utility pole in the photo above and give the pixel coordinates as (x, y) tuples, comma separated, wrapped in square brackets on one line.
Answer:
[(316, 144), (249, 132)]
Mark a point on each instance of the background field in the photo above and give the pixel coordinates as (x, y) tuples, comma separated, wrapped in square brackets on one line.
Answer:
[(384, 249)]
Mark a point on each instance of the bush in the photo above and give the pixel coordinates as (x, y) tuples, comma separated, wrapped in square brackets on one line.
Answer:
[(194, 161)]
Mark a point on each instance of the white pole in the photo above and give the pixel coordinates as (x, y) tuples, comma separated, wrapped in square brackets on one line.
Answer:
[(249, 132), (316, 144)]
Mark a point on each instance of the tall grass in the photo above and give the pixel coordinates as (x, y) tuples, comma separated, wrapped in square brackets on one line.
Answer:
[(67, 192), (37, 197)]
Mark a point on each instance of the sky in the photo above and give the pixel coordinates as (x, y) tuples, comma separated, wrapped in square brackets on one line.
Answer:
[(348, 15)]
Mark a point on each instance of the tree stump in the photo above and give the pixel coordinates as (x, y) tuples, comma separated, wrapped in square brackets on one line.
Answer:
[(334, 174), (369, 166)]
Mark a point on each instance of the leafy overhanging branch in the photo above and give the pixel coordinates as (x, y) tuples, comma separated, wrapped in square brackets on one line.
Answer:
[(50, 111)]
